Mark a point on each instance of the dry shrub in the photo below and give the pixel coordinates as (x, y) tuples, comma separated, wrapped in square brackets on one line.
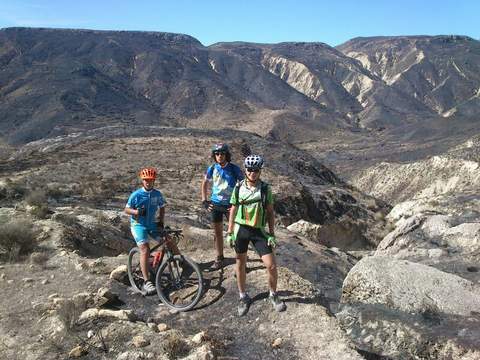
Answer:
[(14, 190), (17, 237), (40, 212), (68, 313), (56, 192), (175, 345), (66, 219), (36, 198), (188, 238), (39, 201), (39, 258)]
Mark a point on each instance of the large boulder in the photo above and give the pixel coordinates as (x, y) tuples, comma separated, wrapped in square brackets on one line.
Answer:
[(409, 287), (449, 243), (405, 310)]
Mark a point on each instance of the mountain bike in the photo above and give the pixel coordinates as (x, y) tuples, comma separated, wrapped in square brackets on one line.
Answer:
[(177, 278)]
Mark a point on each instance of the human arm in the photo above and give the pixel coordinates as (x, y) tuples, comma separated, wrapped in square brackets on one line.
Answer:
[(204, 190), (130, 211), (230, 239), (132, 207), (271, 219), (270, 215), (231, 219), (161, 217)]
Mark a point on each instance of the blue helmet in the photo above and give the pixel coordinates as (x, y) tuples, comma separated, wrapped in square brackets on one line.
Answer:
[(220, 147)]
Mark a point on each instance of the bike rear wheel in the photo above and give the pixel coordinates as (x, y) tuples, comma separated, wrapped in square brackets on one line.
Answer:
[(179, 283), (135, 272)]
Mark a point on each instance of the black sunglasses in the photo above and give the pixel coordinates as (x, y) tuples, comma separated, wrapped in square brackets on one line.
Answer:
[(252, 169), (219, 153)]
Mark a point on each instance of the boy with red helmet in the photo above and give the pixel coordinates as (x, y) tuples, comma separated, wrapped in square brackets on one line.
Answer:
[(146, 207)]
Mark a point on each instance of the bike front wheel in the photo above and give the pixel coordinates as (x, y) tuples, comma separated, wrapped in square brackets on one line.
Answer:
[(179, 283)]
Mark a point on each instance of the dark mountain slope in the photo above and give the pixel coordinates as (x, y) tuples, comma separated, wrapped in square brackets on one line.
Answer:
[(56, 81)]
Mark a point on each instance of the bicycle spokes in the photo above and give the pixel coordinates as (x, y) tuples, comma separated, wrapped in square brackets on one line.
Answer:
[(179, 283)]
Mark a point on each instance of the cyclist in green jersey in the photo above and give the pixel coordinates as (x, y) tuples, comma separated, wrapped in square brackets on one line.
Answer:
[(251, 211)]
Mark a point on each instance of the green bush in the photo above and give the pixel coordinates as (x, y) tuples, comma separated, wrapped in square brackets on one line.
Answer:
[(17, 238)]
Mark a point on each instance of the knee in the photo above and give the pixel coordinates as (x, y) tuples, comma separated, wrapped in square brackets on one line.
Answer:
[(144, 249), (271, 268)]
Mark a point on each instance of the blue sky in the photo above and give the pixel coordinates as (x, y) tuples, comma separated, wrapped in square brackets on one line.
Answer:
[(267, 21)]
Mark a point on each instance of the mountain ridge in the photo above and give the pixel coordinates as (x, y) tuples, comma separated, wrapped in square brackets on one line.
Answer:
[(55, 81)]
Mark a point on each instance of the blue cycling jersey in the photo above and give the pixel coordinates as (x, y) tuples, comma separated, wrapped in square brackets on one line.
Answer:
[(151, 201), (224, 180)]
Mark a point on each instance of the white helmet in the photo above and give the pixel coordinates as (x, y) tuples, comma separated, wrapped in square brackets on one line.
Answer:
[(253, 162)]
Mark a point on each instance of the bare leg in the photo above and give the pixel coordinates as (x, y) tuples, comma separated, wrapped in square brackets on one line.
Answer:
[(144, 254), (218, 229), (270, 264), (241, 271)]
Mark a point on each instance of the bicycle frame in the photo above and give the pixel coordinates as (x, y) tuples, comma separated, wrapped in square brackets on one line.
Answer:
[(158, 251)]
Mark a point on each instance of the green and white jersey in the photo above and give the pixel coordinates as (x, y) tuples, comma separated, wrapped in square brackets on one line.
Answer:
[(250, 210)]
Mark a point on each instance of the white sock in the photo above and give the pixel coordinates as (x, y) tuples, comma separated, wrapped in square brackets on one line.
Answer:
[(272, 293), (242, 295)]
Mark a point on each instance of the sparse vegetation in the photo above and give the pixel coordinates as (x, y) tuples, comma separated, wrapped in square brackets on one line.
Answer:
[(39, 258), (187, 241), (40, 212), (18, 237), (36, 198), (175, 345), (14, 190), (68, 314), (66, 219)]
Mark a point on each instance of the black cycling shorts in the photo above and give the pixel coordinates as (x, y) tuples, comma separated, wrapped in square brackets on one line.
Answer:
[(219, 211), (246, 234)]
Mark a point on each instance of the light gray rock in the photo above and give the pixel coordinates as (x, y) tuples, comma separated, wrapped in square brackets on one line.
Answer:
[(409, 287), (394, 334), (140, 341), (119, 273)]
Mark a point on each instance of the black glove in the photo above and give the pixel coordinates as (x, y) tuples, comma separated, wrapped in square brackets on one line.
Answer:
[(206, 204), (142, 212)]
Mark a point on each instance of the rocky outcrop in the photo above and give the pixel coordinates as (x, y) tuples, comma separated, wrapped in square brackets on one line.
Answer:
[(401, 309), (429, 178), (440, 71), (409, 287)]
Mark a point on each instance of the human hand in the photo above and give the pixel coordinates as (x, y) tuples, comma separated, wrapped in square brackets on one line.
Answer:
[(206, 204), (230, 239), (141, 212), (271, 240)]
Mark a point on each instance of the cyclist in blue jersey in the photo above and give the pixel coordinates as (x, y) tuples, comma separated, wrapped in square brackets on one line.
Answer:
[(146, 207), (223, 176)]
